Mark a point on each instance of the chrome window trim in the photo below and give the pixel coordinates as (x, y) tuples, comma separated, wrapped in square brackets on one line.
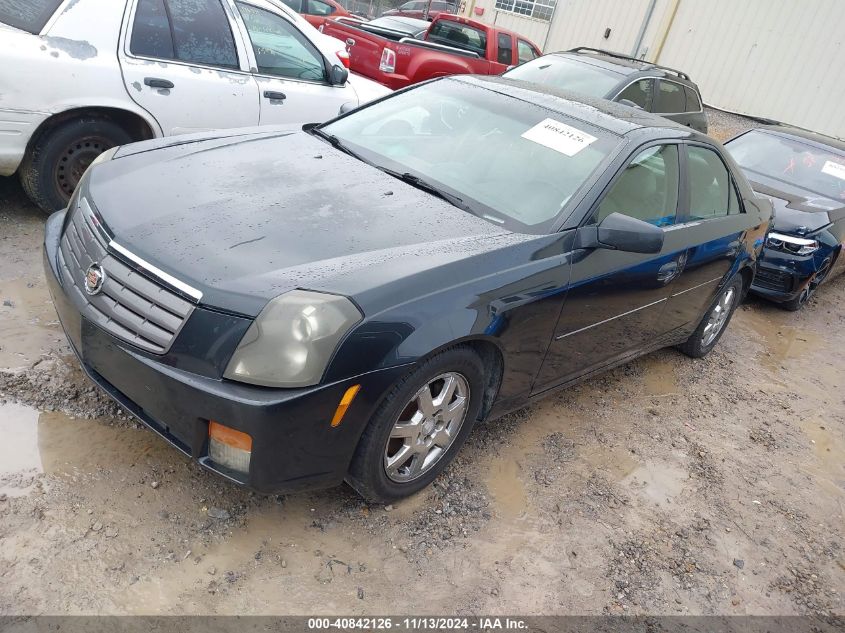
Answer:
[(613, 318)]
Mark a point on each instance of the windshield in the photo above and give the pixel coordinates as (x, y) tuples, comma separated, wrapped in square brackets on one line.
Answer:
[(820, 171), (511, 162), (568, 74)]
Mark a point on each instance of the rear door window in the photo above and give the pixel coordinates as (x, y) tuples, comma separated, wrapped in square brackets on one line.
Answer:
[(28, 15), (670, 98), (712, 193), (151, 35), (693, 102), (505, 55), (638, 92), (192, 31)]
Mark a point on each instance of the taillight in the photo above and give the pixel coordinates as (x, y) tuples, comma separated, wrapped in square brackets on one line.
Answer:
[(388, 61), (344, 58)]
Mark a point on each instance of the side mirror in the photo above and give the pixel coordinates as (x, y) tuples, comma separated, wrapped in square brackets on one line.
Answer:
[(630, 104), (338, 75), (347, 107), (622, 233)]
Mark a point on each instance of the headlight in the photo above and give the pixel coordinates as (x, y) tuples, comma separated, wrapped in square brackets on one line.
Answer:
[(791, 244), (292, 340)]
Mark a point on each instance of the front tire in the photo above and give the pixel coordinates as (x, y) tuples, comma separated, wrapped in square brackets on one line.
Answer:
[(806, 294), (715, 320), (55, 163), (419, 427)]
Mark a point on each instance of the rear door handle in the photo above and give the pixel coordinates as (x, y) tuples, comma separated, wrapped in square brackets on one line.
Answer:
[(155, 82), (275, 96)]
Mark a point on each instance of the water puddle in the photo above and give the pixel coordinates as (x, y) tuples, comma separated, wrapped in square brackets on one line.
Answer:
[(55, 444), (781, 343), (28, 322), (659, 378), (505, 483), (20, 460), (505, 477), (658, 483), (616, 464)]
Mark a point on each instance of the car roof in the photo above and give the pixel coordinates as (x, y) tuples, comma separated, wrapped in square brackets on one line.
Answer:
[(808, 135), (624, 65), (609, 115)]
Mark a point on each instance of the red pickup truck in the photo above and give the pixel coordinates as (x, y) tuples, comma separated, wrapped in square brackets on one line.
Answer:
[(452, 45)]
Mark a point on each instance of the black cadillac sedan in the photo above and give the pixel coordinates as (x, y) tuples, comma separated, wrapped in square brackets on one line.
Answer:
[(295, 309), (803, 173)]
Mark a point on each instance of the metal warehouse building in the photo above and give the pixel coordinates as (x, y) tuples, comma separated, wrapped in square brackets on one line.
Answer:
[(780, 59)]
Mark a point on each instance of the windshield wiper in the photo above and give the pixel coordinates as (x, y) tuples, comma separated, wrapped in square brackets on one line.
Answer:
[(419, 183), (335, 142), (411, 179)]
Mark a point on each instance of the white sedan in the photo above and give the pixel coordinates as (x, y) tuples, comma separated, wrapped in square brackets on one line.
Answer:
[(80, 76)]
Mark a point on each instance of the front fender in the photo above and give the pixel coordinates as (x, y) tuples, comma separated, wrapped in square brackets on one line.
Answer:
[(515, 308)]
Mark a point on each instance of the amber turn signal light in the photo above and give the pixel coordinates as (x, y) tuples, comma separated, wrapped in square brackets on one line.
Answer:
[(345, 401), (228, 447)]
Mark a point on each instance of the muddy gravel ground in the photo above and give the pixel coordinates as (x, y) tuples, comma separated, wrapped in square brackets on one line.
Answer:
[(667, 486)]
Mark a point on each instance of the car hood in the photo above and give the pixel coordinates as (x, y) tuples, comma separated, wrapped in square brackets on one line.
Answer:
[(797, 211), (244, 217)]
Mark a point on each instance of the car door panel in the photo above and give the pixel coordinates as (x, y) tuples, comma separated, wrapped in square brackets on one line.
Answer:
[(715, 230), (616, 299), (191, 94), (614, 307)]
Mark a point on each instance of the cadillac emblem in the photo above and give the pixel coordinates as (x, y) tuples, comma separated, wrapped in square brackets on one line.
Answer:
[(95, 276)]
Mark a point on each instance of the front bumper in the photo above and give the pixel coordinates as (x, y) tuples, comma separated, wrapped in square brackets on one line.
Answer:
[(781, 276), (294, 446)]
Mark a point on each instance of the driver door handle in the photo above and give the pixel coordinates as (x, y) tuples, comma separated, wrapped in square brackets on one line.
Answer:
[(275, 96)]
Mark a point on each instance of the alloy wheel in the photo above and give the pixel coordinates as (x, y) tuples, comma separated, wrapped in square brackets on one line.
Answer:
[(718, 316), (426, 427), (815, 282)]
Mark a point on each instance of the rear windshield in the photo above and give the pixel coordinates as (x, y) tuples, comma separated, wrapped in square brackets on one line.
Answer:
[(568, 74), (27, 15), (817, 170), (458, 35)]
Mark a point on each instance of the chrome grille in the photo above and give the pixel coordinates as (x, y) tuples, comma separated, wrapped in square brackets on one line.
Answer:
[(129, 306)]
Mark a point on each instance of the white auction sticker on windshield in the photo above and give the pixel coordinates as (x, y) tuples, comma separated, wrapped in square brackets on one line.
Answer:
[(559, 136), (836, 170)]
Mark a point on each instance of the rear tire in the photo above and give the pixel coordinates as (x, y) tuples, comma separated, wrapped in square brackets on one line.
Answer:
[(715, 320), (404, 448), (55, 163)]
